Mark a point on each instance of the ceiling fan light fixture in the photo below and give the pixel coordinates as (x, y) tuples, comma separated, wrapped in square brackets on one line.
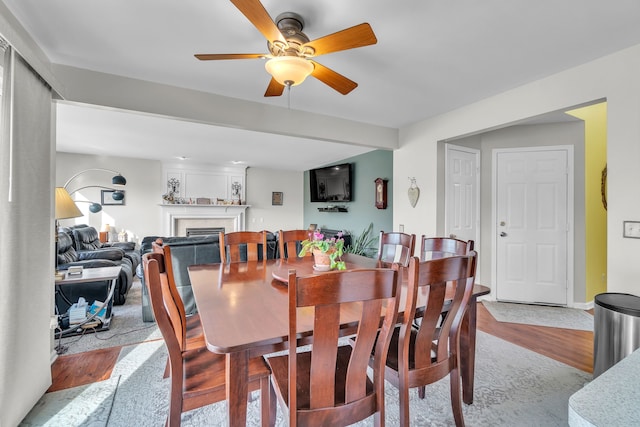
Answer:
[(289, 70)]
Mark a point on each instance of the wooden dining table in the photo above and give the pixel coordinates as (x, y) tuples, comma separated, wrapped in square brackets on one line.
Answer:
[(243, 308)]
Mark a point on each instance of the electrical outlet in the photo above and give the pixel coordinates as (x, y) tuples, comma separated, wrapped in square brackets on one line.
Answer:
[(631, 229), (401, 228)]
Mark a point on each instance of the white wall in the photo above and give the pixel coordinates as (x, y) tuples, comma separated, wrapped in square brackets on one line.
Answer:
[(615, 78), (262, 215), (142, 216)]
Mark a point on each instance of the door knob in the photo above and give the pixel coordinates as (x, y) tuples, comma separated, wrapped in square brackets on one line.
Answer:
[(503, 234)]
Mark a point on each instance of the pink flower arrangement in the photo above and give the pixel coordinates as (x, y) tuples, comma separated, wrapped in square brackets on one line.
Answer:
[(334, 247)]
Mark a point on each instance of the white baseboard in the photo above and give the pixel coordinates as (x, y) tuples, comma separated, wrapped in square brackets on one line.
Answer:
[(583, 305), (53, 356)]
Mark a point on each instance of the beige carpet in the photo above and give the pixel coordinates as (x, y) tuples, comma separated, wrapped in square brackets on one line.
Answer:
[(513, 387)]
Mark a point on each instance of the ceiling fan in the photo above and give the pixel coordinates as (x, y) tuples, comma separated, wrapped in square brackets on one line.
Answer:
[(290, 50)]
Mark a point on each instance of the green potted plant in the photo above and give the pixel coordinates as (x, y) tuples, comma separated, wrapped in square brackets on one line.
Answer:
[(325, 251), (364, 244)]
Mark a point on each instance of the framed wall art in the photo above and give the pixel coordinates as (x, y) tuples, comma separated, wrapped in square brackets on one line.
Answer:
[(276, 198), (109, 197)]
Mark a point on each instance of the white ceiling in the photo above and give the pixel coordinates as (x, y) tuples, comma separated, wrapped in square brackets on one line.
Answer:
[(431, 57)]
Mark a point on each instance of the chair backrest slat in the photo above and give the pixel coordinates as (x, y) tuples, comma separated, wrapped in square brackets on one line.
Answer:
[(288, 241), (165, 309), (396, 247), (232, 243), (440, 247)]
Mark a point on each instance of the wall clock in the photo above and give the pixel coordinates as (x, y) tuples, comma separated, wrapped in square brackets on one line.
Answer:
[(381, 193)]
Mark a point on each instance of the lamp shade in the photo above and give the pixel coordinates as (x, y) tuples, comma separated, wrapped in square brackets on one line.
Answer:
[(118, 180), (117, 195), (65, 206), (289, 70)]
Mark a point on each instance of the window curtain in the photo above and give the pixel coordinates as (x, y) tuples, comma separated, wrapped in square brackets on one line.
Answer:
[(26, 238)]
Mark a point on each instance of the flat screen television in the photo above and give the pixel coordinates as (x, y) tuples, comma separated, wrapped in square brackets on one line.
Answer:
[(331, 183)]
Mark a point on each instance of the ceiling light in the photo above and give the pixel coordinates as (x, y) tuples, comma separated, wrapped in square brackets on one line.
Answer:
[(289, 70)]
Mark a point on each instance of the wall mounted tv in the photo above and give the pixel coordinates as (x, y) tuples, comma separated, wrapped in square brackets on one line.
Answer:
[(331, 183)]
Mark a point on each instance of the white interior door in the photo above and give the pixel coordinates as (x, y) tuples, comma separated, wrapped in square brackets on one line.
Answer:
[(532, 198), (462, 193)]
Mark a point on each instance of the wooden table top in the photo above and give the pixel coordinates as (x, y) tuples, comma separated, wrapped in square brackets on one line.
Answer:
[(242, 306)]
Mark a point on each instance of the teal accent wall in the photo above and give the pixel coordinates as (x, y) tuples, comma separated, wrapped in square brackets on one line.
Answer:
[(362, 210)]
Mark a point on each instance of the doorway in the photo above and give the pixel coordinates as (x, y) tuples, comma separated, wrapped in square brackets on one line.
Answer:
[(533, 204), (462, 193)]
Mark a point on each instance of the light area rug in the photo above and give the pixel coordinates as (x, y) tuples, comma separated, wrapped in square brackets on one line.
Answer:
[(540, 315), (513, 387), (126, 327)]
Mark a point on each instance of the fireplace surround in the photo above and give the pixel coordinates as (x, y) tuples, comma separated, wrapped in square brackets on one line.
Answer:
[(177, 218)]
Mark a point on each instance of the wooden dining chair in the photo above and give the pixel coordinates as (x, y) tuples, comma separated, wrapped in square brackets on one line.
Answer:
[(396, 247), (289, 240), (198, 376), (439, 247), (243, 246), (194, 336), (329, 385), (423, 354)]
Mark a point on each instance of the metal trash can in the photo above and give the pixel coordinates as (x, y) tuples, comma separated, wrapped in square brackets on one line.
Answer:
[(616, 329)]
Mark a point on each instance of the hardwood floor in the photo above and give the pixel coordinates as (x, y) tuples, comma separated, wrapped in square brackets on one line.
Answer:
[(74, 370), (575, 348)]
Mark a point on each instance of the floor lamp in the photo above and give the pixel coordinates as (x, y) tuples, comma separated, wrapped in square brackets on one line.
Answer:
[(118, 181), (65, 208)]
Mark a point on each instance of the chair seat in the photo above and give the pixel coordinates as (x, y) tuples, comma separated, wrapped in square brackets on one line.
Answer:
[(198, 357), (280, 375), (205, 371)]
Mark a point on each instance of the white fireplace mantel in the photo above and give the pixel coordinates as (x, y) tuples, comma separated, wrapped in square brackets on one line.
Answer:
[(172, 213)]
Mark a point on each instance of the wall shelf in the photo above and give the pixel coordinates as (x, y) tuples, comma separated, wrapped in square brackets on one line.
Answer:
[(333, 209)]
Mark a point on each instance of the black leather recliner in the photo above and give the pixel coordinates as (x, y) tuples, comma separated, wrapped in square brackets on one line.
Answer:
[(108, 257), (86, 238)]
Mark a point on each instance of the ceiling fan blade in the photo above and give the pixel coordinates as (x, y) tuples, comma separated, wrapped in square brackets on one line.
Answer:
[(274, 88), (260, 18), (214, 56), (333, 79), (350, 38)]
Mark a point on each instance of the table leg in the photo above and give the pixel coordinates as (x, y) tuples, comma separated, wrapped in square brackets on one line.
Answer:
[(468, 351), (237, 379)]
